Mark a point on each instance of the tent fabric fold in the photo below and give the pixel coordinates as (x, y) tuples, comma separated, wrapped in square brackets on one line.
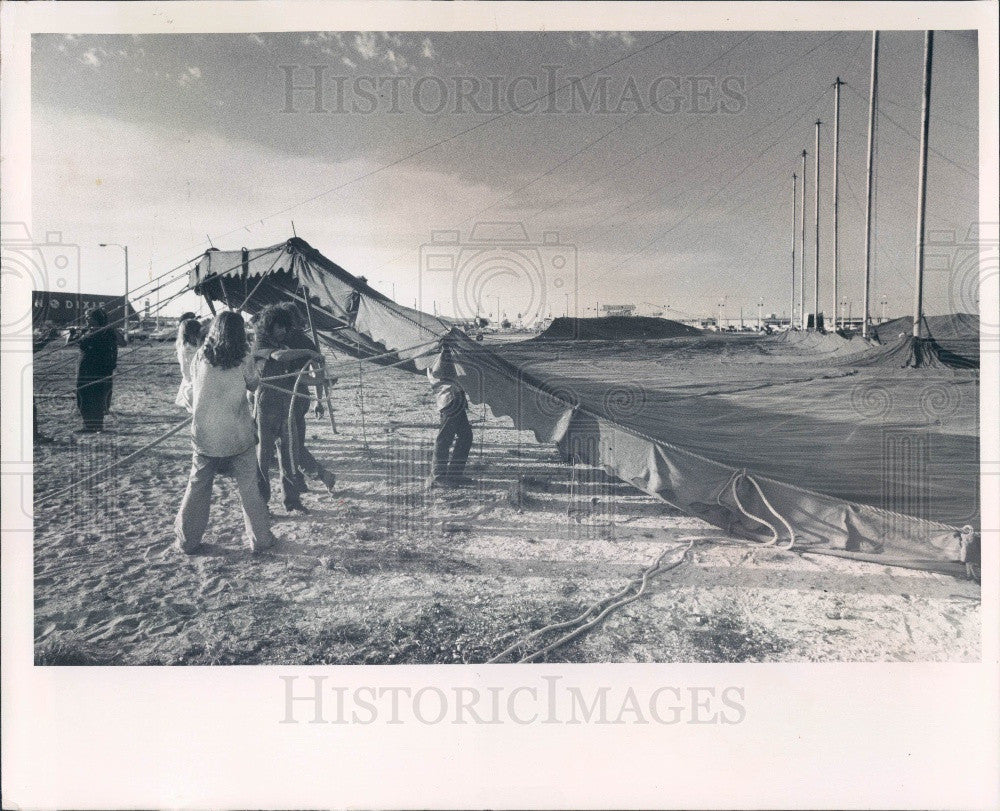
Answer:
[(351, 317)]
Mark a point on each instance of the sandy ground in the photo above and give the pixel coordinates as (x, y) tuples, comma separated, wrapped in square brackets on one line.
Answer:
[(383, 571)]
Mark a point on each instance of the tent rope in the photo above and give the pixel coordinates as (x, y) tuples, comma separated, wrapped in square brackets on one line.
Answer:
[(735, 480), (599, 611), (134, 455)]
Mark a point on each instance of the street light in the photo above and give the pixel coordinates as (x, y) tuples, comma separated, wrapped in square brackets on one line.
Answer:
[(125, 308)]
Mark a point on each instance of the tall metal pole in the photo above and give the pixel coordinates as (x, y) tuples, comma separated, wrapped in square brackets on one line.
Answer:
[(836, 190), (802, 260), (918, 295), (125, 247), (816, 261), (795, 200), (125, 309), (872, 110)]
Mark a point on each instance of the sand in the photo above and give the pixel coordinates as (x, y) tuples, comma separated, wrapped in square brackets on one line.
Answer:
[(383, 571)]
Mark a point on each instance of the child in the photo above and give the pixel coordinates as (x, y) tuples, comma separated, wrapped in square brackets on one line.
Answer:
[(448, 466), (223, 435), (188, 341)]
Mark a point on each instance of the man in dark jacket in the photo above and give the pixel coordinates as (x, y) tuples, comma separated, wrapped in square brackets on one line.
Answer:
[(98, 359)]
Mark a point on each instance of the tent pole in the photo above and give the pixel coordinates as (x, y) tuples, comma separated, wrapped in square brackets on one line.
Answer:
[(872, 111), (802, 258), (836, 194), (918, 294), (315, 335), (795, 200), (816, 263)]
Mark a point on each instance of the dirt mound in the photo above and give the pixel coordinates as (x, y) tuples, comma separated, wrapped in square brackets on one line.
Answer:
[(957, 334), (818, 343), (918, 353), (616, 328), (955, 326)]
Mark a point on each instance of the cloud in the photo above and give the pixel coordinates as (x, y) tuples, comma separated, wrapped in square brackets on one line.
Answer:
[(348, 61), (257, 39), (93, 57), (366, 46), (396, 61), (624, 38), (188, 76), (427, 48)]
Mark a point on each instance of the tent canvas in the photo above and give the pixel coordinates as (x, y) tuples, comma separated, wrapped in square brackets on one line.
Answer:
[(779, 472)]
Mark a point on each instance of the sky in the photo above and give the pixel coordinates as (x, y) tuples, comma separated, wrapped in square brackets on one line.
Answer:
[(652, 168)]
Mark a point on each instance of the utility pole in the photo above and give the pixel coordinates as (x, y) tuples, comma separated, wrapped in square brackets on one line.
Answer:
[(918, 294), (802, 260), (795, 200), (872, 111), (836, 189), (760, 315), (816, 262), (125, 311)]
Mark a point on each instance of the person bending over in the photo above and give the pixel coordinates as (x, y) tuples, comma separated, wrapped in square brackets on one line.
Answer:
[(454, 439), (222, 435)]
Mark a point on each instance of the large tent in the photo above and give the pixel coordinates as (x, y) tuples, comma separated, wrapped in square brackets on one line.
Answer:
[(764, 452)]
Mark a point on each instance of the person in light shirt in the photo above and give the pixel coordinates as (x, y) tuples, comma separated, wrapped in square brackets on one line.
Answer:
[(223, 435)]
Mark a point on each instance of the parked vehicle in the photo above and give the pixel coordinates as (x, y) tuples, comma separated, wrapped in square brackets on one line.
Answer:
[(163, 334)]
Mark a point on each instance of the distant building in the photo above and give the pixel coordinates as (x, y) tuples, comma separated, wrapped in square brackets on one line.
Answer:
[(618, 309), (70, 309)]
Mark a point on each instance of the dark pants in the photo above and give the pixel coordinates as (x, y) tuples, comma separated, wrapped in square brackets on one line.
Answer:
[(306, 462), (449, 462), (92, 400), (272, 433)]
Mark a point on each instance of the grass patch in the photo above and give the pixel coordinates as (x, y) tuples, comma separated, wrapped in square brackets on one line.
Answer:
[(68, 654), (728, 637), (436, 634)]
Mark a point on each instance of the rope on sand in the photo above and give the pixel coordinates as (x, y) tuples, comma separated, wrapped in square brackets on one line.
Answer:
[(598, 612), (115, 465)]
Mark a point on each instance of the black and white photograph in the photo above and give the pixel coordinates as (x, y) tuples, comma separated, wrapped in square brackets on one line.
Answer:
[(408, 346)]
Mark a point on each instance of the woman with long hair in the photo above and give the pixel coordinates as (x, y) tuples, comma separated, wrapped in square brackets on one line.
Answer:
[(223, 434), (188, 341), (98, 359)]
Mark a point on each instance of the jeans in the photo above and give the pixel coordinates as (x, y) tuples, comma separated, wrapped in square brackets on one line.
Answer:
[(306, 462), (192, 518), (272, 430), (450, 462)]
